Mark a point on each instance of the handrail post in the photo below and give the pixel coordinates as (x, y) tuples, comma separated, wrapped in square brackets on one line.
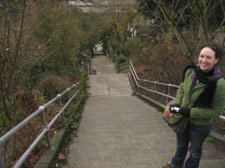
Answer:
[(155, 88), (2, 164), (45, 124), (138, 89), (137, 85), (60, 106), (168, 92), (68, 89)]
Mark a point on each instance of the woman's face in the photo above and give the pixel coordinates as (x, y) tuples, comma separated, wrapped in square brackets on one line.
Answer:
[(207, 59)]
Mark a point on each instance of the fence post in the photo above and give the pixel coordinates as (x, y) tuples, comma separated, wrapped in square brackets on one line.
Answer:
[(2, 164), (45, 124)]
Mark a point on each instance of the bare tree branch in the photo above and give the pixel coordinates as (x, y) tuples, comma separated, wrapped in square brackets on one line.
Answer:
[(17, 46), (176, 29), (222, 6)]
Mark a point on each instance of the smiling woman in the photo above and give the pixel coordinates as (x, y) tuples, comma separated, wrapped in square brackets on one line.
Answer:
[(200, 98)]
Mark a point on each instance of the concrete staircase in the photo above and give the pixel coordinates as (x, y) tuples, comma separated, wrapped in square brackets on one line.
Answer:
[(119, 130)]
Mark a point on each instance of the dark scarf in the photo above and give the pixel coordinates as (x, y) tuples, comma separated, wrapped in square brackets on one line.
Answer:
[(210, 78)]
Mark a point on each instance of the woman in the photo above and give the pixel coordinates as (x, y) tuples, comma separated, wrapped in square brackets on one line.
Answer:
[(201, 98)]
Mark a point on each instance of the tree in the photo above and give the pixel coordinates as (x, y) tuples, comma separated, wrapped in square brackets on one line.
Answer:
[(12, 28), (191, 21), (116, 31)]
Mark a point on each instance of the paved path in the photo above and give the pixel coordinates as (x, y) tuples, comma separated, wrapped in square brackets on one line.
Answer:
[(119, 130)]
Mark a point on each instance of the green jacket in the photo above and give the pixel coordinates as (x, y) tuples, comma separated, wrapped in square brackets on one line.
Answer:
[(187, 98)]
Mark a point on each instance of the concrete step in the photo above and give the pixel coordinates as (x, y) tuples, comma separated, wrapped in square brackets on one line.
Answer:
[(210, 163)]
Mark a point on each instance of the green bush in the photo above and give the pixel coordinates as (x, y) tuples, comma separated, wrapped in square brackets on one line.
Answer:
[(121, 59), (134, 47)]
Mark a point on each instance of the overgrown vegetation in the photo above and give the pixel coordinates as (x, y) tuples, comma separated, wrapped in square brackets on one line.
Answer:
[(72, 115), (163, 34), (44, 48)]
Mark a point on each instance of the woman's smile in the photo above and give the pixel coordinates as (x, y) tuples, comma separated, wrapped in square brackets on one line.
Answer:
[(207, 59)]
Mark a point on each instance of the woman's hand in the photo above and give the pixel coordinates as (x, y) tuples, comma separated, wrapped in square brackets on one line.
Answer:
[(185, 112)]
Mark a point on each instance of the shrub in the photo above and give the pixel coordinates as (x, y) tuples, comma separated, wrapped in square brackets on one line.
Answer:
[(72, 114), (165, 61), (52, 85), (121, 59), (133, 47)]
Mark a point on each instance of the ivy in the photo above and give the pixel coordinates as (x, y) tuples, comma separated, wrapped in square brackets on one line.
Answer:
[(73, 114)]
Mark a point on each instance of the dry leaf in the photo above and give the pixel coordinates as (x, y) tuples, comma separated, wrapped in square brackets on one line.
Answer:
[(61, 156)]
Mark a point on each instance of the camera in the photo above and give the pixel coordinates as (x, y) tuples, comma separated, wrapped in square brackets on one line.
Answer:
[(175, 109)]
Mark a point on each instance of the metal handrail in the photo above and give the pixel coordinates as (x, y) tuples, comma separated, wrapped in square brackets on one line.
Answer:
[(145, 80), (123, 65), (136, 79), (23, 123), (150, 90)]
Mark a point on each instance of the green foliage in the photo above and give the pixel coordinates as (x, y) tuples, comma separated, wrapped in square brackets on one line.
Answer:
[(3, 121), (116, 30), (60, 29), (72, 114), (65, 35), (53, 39), (133, 47), (83, 84), (209, 139), (221, 29), (145, 69), (71, 71), (121, 59), (1, 13)]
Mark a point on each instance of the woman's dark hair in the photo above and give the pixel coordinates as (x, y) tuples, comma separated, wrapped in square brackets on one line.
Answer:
[(216, 48)]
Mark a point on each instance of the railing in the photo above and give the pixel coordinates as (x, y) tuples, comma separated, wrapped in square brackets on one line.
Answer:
[(45, 130), (137, 81), (122, 66), (155, 83)]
